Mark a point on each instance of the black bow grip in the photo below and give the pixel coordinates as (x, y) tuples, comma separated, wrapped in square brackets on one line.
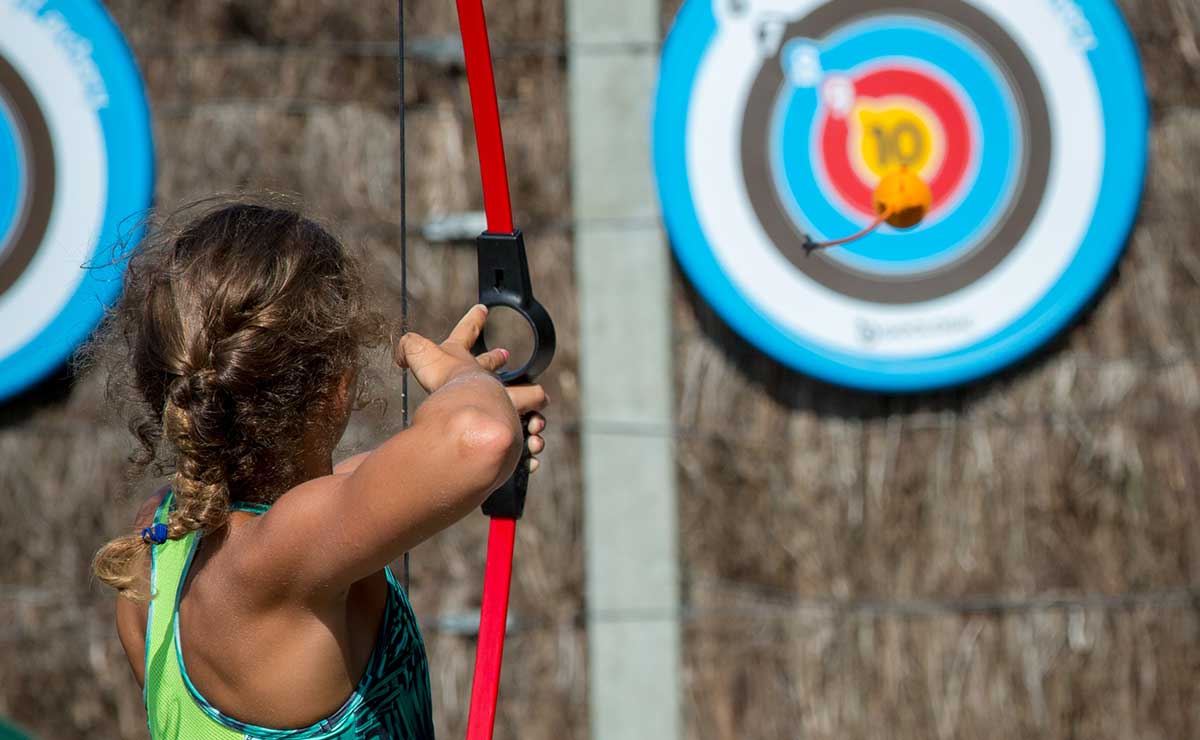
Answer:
[(504, 281)]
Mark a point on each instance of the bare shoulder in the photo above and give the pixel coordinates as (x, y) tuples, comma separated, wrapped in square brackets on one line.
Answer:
[(274, 548), (131, 616), (311, 498), (350, 464)]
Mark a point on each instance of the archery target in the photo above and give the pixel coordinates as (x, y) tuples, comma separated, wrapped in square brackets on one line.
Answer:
[(76, 159), (776, 119)]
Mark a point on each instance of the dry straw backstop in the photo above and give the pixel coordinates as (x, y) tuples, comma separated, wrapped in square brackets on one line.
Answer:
[(1018, 559)]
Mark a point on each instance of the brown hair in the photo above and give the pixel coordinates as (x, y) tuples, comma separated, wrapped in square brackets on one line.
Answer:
[(234, 333)]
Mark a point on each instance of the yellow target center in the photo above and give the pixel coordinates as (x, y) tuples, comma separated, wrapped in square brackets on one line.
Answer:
[(892, 137)]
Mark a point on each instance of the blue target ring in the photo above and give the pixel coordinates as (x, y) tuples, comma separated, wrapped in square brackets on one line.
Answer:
[(10, 162), (944, 234), (708, 259), (118, 103)]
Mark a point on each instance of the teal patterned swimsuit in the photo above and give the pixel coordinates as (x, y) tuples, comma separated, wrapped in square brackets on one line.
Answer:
[(390, 702)]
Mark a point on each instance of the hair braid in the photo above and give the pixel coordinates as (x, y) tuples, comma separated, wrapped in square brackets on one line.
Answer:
[(235, 329), (194, 419)]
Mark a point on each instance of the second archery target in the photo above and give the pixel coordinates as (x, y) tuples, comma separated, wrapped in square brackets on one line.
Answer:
[(76, 172), (776, 119)]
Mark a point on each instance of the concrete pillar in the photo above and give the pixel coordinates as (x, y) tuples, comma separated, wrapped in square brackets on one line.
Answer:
[(623, 270)]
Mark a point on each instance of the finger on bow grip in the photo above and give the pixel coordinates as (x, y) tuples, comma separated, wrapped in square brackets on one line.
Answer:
[(508, 501)]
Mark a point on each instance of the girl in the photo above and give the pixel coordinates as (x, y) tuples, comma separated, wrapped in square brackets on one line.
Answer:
[(258, 599)]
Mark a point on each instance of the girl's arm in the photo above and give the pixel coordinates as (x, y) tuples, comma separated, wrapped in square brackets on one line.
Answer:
[(464, 441), (347, 466)]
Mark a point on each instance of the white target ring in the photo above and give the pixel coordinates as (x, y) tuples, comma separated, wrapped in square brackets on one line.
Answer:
[(42, 291), (77, 177)]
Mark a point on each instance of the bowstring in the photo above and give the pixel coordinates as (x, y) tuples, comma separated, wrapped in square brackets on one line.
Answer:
[(403, 241)]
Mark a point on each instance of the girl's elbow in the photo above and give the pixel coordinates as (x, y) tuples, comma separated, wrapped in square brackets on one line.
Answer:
[(489, 446)]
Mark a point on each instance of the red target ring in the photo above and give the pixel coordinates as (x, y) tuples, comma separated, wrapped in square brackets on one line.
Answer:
[(835, 144)]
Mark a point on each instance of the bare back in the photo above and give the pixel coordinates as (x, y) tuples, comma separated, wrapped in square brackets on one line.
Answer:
[(267, 662)]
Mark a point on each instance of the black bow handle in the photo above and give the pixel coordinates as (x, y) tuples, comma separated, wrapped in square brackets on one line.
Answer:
[(504, 281)]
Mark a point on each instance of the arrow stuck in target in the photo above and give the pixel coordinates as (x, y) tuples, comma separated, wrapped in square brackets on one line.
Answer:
[(901, 200)]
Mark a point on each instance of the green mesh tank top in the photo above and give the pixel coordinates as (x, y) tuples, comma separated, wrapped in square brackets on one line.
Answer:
[(390, 702)]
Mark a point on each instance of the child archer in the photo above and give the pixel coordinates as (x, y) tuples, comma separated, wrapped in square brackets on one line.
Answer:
[(258, 602)]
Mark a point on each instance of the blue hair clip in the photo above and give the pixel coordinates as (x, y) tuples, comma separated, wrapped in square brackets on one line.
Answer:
[(155, 535)]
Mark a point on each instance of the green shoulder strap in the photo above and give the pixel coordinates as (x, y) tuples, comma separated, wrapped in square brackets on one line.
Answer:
[(171, 712)]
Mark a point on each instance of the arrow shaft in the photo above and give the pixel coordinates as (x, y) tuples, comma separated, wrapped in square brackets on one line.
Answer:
[(838, 242)]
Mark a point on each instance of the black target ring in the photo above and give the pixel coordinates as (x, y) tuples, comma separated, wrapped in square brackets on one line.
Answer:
[(990, 250), (38, 185)]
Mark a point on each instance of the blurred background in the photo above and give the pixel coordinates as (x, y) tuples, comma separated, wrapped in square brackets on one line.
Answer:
[(1017, 557)]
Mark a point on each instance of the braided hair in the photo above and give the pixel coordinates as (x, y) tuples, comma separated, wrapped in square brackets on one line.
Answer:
[(236, 332)]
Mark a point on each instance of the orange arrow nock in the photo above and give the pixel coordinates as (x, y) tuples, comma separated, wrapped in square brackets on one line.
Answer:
[(902, 199)]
